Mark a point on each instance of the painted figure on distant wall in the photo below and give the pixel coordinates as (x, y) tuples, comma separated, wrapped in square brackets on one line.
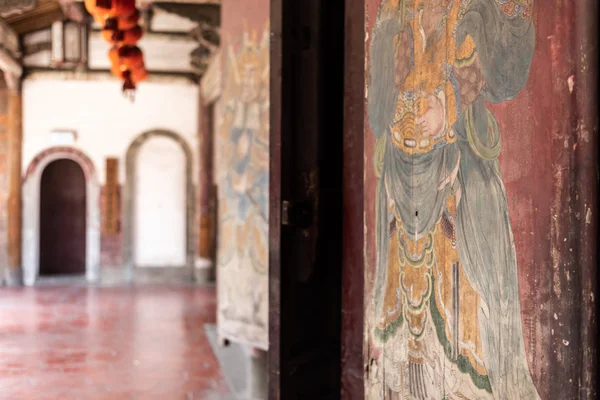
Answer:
[(448, 319), (244, 154)]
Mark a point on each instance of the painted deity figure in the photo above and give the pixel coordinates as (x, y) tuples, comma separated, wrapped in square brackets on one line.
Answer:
[(243, 199), (247, 175), (447, 308)]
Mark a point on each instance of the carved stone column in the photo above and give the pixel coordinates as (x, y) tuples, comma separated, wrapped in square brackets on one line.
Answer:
[(10, 179)]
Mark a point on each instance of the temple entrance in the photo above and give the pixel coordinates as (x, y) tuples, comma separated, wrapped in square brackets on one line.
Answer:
[(62, 219)]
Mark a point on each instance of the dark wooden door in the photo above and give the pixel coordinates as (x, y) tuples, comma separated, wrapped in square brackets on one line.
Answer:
[(62, 219), (305, 220)]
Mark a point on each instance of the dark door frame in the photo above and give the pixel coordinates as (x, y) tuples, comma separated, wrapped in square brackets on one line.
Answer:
[(347, 379), (353, 361)]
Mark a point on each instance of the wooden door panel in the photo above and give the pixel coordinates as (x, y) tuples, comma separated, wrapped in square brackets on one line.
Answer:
[(306, 199), (62, 219)]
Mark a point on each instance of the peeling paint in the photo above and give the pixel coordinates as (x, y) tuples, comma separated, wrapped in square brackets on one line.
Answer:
[(555, 229), (584, 64), (588, 216), (571, 83), (582, 132)]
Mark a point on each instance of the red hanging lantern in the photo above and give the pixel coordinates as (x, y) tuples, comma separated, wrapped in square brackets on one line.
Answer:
[(119, 37), (131, 56), (90, 6), (132, 36), (112, 36), (107, 12), (129, 21), (139, 74), (118, 8), (127, 63), (117, 71), (113, 55)]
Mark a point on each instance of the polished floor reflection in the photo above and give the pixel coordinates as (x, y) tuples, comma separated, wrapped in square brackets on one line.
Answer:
[(63, 343)]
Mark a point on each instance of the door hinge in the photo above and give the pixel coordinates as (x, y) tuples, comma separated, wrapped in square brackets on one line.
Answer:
[(285, 212)]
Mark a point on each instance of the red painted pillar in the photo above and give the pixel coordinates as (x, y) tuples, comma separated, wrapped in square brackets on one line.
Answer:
[(204, 271), (10, 180)]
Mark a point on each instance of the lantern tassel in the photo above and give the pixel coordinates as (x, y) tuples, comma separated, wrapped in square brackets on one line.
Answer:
[(128, 87)]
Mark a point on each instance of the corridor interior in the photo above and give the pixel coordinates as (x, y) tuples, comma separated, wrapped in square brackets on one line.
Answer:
[(117, 343), (109, 183)]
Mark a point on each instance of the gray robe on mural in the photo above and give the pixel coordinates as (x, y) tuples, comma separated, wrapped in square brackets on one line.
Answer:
[(484, 237)]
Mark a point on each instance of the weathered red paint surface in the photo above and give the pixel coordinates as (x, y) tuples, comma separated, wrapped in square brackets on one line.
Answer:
[(546, 144)]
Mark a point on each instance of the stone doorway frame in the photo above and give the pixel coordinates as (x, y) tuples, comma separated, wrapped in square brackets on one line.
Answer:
[(130, 192), (31, 212)]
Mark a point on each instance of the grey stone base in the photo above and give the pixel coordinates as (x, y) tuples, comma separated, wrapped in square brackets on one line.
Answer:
[(245, 370), (204, 271), (63, 280), (13, 277), (160, 275), (233, 362), (257, 377), (113, 275), (203, 276)]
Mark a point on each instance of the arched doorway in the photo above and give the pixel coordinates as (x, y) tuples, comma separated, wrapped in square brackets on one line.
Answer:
[(159, 191), (32, 182), (62, 219), (160, 205)]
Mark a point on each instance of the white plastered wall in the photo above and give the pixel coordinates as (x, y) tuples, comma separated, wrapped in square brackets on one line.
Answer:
[(160, 193), (105, 122)]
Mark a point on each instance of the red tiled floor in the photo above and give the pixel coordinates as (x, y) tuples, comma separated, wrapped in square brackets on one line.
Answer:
[(68, 343)]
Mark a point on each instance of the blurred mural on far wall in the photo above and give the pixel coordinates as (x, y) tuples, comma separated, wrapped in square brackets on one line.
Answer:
[(242, 174)]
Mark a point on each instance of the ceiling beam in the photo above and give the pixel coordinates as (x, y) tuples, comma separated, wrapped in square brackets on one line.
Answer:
[(203, 13), (12, 7), (42, 15)]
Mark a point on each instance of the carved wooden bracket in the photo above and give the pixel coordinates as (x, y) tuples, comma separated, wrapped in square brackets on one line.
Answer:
[(8, 7), (12, 71)]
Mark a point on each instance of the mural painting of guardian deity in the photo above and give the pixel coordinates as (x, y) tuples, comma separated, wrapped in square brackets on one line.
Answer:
[(243, 154), (447, 322)]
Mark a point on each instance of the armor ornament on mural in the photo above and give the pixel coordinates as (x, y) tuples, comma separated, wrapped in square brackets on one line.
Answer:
[(447, 310), (243, 154)]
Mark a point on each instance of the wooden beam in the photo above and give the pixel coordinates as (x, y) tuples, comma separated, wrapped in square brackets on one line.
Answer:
[(36, 20), (9, 40), (105, 74), (11, 68)]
